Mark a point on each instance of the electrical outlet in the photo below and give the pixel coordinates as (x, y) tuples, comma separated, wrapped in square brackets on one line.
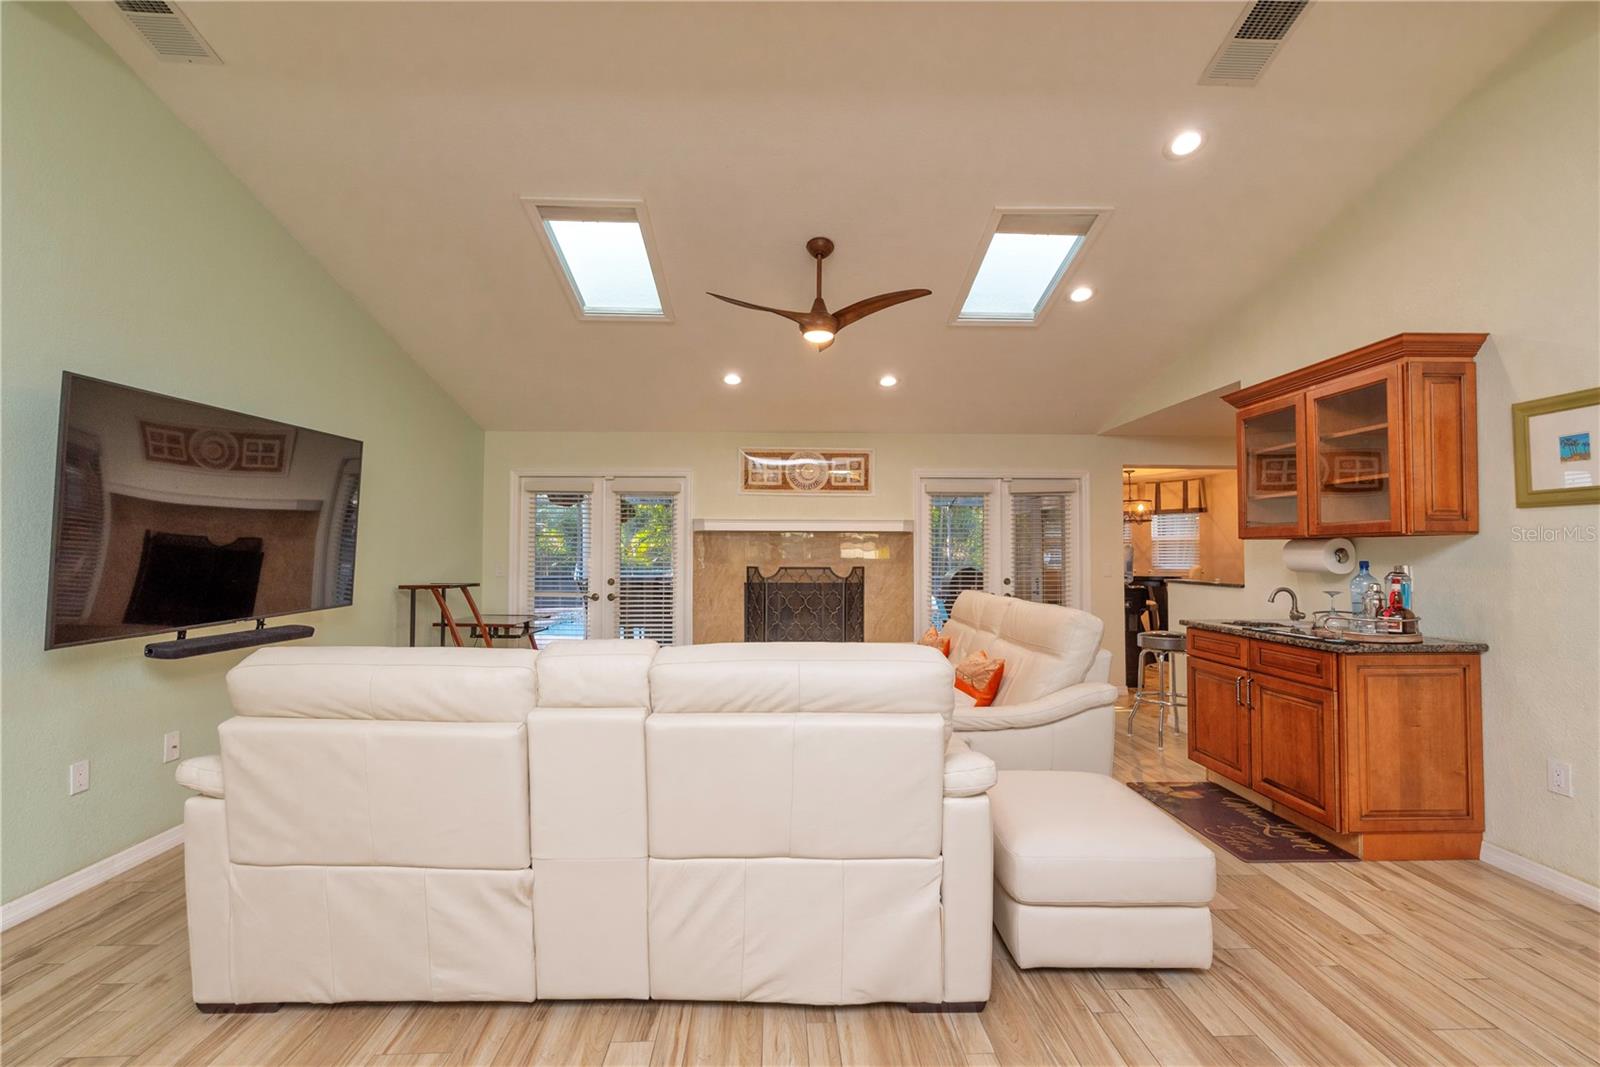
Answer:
[(170, 747), (1558, 777), (78, 778)]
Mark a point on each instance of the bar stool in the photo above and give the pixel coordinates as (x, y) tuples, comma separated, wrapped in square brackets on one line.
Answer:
[(1160, 646)]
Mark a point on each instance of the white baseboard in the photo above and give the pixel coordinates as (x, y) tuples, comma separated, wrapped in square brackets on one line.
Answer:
[(63, 889), (1575, 889)]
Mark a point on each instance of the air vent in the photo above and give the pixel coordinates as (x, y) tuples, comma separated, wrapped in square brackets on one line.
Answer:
[(168, 31), (1253, 41)]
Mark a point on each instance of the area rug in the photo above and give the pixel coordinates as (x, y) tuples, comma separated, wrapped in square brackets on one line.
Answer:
[(1247, 830)]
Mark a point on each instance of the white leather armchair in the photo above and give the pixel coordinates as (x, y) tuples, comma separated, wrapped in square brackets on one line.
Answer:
[(1054, 710), (780, 823)]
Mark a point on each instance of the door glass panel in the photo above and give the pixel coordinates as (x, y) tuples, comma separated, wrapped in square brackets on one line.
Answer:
[(1272, 468), (559, 561), (957, 547), (1352, 450), (1042, 547), (647, 566)]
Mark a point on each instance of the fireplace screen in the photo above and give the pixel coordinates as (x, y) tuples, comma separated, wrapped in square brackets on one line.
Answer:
[(804, 604)]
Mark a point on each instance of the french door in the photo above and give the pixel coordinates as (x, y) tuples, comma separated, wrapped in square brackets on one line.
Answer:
[(1019, 537), (604, 557)]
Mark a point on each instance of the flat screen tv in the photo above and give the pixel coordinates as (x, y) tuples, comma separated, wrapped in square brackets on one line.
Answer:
[(171, 514)]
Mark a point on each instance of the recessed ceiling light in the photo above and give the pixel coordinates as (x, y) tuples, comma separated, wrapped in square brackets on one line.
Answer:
[(1080, 294), (731, 378), (1185, 144), (888, 381)]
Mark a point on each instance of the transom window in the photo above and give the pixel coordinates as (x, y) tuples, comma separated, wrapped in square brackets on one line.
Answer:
[(1025, 257), (603, 251)]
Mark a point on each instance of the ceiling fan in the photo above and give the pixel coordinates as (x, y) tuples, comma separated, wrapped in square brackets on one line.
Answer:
[(819, 325)]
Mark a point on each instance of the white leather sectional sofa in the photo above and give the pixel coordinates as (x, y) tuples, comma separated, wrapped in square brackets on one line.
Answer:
[(605, 819), (1054, 707)]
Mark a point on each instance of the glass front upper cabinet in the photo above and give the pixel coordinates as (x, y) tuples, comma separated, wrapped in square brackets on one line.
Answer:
[(1379, 441), (1355, 430), (1271, 446)]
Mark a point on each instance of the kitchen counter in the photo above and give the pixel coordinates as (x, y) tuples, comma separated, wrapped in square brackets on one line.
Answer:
[(1442, 645), (1207, 581)]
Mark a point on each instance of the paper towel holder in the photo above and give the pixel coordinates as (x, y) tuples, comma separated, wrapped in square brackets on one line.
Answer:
[(1333, 555)]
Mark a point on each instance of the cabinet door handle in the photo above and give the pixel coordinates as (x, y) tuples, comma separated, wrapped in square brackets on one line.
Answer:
[(1250, 691), (1237, 699)]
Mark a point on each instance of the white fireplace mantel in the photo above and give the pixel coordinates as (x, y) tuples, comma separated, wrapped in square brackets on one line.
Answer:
[(805, 525)]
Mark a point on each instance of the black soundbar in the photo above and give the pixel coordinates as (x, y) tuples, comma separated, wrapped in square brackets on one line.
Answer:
[(184, 647)]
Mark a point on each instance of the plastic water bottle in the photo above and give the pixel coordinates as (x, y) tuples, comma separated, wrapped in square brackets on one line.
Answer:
[(1365, 593)]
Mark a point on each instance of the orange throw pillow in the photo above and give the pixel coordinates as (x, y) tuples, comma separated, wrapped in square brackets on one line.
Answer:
[(934, 639), (978, 676)]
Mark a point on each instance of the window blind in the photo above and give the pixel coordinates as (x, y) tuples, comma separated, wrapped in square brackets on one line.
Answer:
[(346, 501), (647, 566), (1174, 542), (1043, 552), (958, 530), (559, 560), (83, 528)]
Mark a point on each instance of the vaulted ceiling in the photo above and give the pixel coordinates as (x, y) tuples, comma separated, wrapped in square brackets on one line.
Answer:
[(394, 141)]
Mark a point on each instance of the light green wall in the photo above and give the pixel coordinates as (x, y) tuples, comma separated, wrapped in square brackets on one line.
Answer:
[(131, 254), (712, 461), (1491, 224)]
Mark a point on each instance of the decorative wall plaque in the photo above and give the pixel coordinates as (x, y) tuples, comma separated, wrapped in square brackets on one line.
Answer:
[(229, 451), (1353, 471), (804, 470)]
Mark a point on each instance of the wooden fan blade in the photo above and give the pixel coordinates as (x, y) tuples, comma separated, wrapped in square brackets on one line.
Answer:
[(873, 304), (792, 316)]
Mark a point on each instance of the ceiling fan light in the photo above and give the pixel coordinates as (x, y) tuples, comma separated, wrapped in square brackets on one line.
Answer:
[(817, 336)]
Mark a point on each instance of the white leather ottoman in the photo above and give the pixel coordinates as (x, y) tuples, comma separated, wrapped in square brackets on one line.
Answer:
[(1090, 874)]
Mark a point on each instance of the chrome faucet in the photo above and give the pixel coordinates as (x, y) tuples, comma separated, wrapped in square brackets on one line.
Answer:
[(1295, 614)]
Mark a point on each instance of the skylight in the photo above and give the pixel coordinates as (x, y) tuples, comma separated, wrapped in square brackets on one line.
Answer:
[(1025, 259), (603, 254)]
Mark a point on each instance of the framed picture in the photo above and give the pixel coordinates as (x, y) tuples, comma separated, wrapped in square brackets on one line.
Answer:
[(1554, 440), (804, 470)]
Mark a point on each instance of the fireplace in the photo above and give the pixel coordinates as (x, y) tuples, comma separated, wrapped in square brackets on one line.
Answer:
[(804, 604), (723, 558)]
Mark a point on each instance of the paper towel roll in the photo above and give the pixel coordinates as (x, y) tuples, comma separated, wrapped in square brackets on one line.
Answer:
[(1326, 555)]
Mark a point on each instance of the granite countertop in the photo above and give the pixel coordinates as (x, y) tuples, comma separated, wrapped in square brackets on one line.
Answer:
[(1326, 644)]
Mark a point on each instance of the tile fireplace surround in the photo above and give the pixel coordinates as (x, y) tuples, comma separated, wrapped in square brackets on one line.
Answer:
[(720, 559)]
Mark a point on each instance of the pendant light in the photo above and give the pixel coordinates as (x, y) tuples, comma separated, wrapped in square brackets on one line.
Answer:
[(1134, 508)]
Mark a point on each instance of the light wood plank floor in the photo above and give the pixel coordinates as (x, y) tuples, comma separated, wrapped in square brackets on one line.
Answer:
[(1412, 963)]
